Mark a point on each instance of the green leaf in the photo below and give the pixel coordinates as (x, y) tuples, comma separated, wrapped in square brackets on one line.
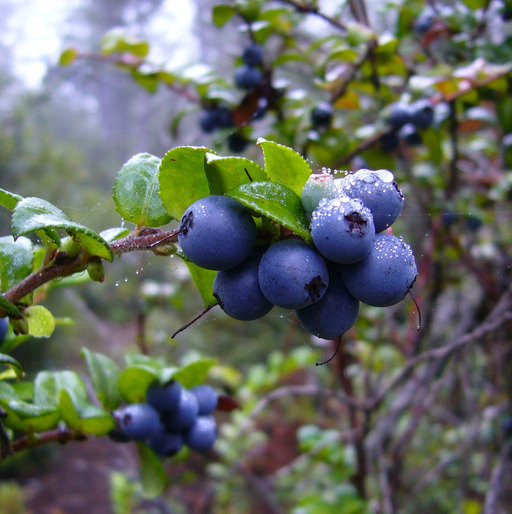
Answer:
[(357, 34), (105, 375), (16, 260), (153, 476), (134, 381), (117, 41), (111, 234), (8, 199), (149, 81), (183, 179), (194, 373), (35, 214), (222, 13), (40, 321), (284, 165), (7, 391), (27, 417), (9, 307), (225, 173), (475, 4), (136, 192), (275, 201), (203, 279), (68, 57), (13, 364)]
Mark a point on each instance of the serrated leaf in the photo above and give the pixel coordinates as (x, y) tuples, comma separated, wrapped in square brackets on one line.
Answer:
[(284, 165), (40, 321), (7, 360), (153, 476), (183, 179), (134, 381), (68, 57), (16, 260), (27, 417), (276, 202), (203, 278), (8, 199), (136, 192), (34, 214), (225, 173), (194, 373), (221, 14), (105, 375)]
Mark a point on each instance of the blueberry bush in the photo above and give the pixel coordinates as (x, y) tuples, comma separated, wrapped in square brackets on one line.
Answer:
[(366, 212)]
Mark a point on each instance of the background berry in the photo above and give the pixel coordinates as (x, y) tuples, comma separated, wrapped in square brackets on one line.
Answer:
[(247, 77), (253, 55)]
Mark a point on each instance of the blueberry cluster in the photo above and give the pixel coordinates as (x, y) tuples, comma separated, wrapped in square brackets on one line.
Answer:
[(249, 76), (351, 259), (406, 120), (172, 417)]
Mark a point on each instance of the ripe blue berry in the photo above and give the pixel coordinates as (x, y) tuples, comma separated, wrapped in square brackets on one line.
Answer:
[(208, 121), (399, 115), (292, 274), (184, 415), (253, 55), (422, 114), (206, 398), (202, 434), (321, 115), (425, 20), (247, 77), (378, 191), (410, 135), (4, 327), (316, 188), (343, 230), (164, 398), (237, 143), (385, 276), (166, 443), (334, 313), (138, 421), (389, 141), (217, 232), (238, 290)]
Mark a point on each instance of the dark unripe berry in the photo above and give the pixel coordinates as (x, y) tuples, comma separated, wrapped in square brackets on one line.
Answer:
[(399, 115), (334, 313), (206, 397), (217, 232), (410, 135), (321, 115), (247, 77), (378, 191), (164, 398), (184, 415), (202, 434), (422, 114), (166, 443), (138, 421), (385, 276), (292, 274), (238, 289), (4, 327), (343, 230), (253, 55)]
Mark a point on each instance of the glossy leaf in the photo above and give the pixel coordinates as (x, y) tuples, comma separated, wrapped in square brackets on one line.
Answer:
[(222, 13), (34, 214), (9, 307), (7, 360), (104, 373), (203, 279), (153, 476), (16, 260), (284, 165), (134, 381), (68, 57), (27, 417), (117, 41), (276, 202), (40, 321), (8, 199), (475, 4), (183, 179), (111, 234), (225, 173), (194, 373), (136, 192)]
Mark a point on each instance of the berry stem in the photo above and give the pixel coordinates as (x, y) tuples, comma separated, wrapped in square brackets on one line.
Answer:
[(199, 316)]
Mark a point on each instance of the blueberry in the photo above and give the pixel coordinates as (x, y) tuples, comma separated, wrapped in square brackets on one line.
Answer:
[(166, 443), (247, 77), (224, 117), (424, 21), (202, 434), (335, 313), (206, 398), (217, 232), (343, 229), (410, 135), (385, 276), (238, 290), (292, 274), (316, 188), (138, 421), (399, 115), (208, 121), (185, 414), (378, 191), (4, 327), (164, 398), (253, 55), (473, 222), (237, 143), (389, 141), (422, 114), (321, 115)]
